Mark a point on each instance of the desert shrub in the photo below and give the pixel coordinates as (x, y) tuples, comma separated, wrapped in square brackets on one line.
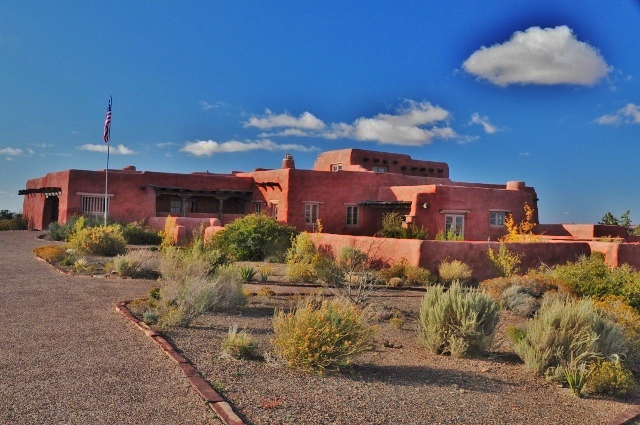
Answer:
[(396, 269), (353, 258), (615, 308), (397, 321), (150, 317), (575, 374), (415, 232), (515, 333), (454, 270), (301, 257), (611, 378), (392, 226), (457, 321), (266, 292), (239, 345), (566, 331), (12, 221), (522, 232), (449, 235), (50, 253), (185, 296), (265, 271), (395, 282), (247, 273), (320, 335), (57, 232), (103, 240), (137, 263), (254, 237), (592, 277), (136, 234), (417, 275), (537, 285), (520, 301), (505, 262)]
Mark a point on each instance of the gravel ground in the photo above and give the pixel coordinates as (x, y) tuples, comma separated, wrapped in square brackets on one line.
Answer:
[(404, 384), (66, 355)]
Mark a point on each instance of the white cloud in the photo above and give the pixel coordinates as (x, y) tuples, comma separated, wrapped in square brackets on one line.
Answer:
[(406, 128), (630, 114), (484, 122), (117, 150), (11, 151), (210, 147), (539, 56), (206, 106), (306, 121), (165, 144)]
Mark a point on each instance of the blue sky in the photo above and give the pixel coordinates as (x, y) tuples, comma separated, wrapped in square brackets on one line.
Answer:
[(547, 92)]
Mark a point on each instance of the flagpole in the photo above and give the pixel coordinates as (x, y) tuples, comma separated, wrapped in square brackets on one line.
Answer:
[(107, 138)]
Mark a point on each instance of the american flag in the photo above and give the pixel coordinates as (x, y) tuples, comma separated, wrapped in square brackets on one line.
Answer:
[(107, 122)]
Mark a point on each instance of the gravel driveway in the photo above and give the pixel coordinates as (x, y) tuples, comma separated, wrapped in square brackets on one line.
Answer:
[(66, 355)]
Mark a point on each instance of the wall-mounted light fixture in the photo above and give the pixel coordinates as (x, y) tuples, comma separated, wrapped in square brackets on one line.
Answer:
[(426, 205)]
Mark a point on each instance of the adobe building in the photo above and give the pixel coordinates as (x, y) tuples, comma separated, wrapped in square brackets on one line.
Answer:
[(348, 190)]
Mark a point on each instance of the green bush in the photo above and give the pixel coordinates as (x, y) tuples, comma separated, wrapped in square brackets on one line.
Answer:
[(254, 237), (50, 253), (301, 258), (392, 226), (457, 321), (11, 221), (536, 285), (239, 345), (454, 270), (136, 234), (611, 378), (247, 273), (188, 295), (411, 275), (505, 262), (592, 277), (566, 331), (137, 263), (99, 240), (520, 301), (322, 335)]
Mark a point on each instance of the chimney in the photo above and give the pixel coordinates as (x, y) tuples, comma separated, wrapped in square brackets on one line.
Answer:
[(288, 162)]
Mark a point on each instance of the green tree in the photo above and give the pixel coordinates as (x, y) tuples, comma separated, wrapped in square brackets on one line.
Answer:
[(609, 219)]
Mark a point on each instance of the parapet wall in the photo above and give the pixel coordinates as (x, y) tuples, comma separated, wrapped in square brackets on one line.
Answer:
[(429, 254)]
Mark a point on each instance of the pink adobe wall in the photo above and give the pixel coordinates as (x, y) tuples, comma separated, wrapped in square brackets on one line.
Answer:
[(478, 201), (364, 160), (429, 254), (629, 253), (33, 204)]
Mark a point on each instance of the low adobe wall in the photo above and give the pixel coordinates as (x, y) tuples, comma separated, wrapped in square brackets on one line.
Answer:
[(429, 254)]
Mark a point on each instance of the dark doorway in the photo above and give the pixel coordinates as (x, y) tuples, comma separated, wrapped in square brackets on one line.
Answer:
[(50, 213)]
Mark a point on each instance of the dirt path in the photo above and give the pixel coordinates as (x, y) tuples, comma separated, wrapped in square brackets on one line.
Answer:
[(66, 355)]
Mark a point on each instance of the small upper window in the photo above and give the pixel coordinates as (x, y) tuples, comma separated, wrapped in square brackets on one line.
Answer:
[(496, 219), (352, 215), (379, 169), (336, 167), (257, 207)]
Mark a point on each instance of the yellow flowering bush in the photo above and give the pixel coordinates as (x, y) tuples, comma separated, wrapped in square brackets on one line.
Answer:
[(50, 253), (321, 335), (102, 240)]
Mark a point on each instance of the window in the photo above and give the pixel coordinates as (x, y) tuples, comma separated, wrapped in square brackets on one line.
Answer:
[(175, 206), (257, 207), (93, 204), (352, 215), (336, 167), (496, 219), (379, 169), (455, 224), (311, 213), (274, 210)]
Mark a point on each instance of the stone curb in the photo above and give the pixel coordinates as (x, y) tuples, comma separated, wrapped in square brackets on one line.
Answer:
[(625, 417), (200, 385)]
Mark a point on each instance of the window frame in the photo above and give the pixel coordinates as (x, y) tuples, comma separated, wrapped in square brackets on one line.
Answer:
[(353, 217), (309, 208), (336, 167), (96, 200), (380, 169), (454, 218), (494, 218)]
